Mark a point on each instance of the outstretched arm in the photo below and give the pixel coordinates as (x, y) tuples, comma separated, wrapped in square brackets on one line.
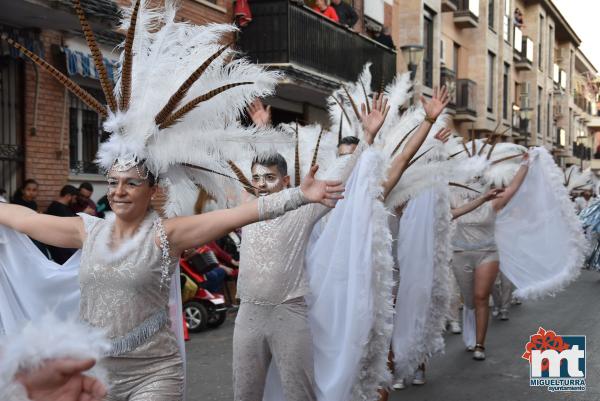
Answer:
[(514, 186), (433, 109), (191, 231), (475, 203), (64, 232)]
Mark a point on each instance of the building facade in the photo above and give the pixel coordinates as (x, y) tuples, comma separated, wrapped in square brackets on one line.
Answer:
[(514, 68), (46, 133)]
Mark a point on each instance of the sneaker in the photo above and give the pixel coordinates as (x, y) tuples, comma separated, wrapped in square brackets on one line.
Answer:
[(470, 348), (399, 384), (503, 315), (455, 327), (419, 378), (515, 301), (479, 353), (495, 311)]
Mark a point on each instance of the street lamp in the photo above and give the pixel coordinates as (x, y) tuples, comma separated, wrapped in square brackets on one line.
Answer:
[(412, 54)]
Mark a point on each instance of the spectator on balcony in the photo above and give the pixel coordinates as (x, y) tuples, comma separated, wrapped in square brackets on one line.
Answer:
[(518, 19), (322, 7), (346, 14), (385, 38)]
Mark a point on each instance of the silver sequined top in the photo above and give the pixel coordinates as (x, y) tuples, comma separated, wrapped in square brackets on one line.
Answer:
[(123, 288), (272, 251), (475, 230)]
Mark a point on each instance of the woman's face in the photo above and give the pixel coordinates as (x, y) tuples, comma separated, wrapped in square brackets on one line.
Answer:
[(30, 192), (129, 195)]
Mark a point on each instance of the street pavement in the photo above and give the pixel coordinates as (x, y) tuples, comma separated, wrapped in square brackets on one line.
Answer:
[(453, 376)]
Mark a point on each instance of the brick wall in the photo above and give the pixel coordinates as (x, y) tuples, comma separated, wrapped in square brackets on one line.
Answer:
[(43, 161)]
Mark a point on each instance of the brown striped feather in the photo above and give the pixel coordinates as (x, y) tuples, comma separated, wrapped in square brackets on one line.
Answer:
[(128, 59)]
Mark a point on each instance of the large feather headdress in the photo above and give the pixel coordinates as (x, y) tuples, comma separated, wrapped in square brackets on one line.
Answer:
[(176, 101)]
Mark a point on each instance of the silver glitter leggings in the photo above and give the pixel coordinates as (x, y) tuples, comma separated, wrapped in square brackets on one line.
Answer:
[(280, 333)]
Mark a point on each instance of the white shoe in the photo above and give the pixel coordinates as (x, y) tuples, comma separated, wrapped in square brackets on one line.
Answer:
[(399, 384), (503, 315), (455, 327), (470, 348), (479, 352), (495, 311), (515, 301), (419, 378)]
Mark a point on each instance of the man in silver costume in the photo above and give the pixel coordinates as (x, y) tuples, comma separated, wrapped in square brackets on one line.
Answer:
[(272, 322)]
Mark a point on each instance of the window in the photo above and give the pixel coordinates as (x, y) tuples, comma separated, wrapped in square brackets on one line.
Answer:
[(506, 21), (85, 134), (456, 59), (540, 42), (490, 88), (550, 49), (491, 15), (549, 115), (428, 51), (505, 94), (539, 110)]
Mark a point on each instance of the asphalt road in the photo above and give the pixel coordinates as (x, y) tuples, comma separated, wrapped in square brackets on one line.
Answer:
[(453, 376)]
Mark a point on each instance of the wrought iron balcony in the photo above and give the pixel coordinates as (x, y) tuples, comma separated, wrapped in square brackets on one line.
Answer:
[(466, 102), (523, 46), (308, 46), (467, 14), (448, 79)]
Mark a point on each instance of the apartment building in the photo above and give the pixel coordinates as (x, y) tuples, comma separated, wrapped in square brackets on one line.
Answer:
[(514, 67)]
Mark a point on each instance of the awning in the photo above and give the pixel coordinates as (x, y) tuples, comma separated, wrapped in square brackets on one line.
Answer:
[(79, 63)]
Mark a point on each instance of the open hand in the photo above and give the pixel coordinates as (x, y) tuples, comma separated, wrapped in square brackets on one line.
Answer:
[(260, 115), (324, 192), (434, 107), (493, 194), (62, 380), (443, 135), (373, 121)]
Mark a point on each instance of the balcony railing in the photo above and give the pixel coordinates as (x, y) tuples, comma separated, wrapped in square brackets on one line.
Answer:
[(466, 102), (449, 5), (523, 46), (467, 14), (448, 79), (287, 35)]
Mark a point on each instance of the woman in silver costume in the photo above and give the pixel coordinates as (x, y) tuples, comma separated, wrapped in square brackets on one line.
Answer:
[(126, 265), (475, 262)]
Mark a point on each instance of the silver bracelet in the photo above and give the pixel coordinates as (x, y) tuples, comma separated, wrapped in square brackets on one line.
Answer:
[(275, 205)]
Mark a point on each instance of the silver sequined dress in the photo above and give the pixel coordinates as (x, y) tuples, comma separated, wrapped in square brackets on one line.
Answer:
[(124, 292)]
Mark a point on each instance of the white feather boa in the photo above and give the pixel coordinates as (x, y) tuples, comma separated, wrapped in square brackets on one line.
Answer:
[(50, 338), (374, 372)]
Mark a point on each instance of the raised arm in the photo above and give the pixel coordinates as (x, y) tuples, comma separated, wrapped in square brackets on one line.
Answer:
[(514, 186), (191, 231), (64, 232), (475, 203), (433, 109)]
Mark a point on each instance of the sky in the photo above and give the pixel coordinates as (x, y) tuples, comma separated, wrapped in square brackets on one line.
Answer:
[(583, 16)]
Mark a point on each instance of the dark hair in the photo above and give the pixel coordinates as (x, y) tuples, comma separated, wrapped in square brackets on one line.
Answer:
[(269, 160), (29, 181), (69, 190), (87, 186), (349, 140)]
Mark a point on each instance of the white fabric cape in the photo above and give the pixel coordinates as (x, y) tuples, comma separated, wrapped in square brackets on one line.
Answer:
[(548, 251), (349, 267), (423, 253), (31, 285)]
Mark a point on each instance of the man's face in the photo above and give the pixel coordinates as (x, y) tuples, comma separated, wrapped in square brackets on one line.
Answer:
[(346, 149), (84, 193), (268, 180)]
